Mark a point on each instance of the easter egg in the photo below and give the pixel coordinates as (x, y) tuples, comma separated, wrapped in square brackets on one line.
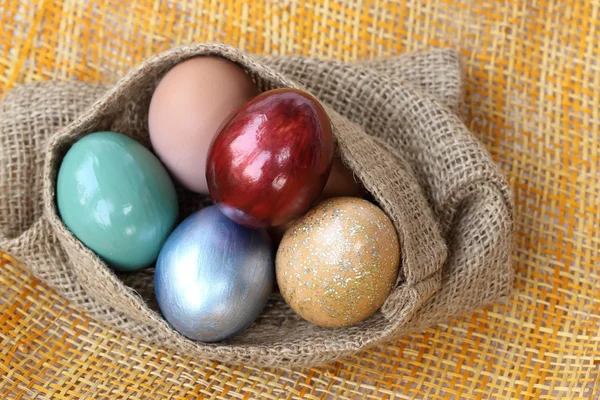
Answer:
[(187, 108), (337, 264), (342, 182), (115, 196), (271, 161), (213, 277)]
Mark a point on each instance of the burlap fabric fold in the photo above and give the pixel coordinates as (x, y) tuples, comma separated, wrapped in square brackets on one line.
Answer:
[(397, 126)]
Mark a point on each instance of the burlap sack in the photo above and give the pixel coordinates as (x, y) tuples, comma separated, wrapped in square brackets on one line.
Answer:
[(396, 126)]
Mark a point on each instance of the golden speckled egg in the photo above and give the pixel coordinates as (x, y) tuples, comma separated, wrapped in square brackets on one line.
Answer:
[(338, 263)]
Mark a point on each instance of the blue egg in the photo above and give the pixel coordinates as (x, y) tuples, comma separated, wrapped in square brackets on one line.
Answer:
[(213, 277)]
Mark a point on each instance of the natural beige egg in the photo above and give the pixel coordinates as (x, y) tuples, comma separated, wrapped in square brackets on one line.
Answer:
[(188, 107)]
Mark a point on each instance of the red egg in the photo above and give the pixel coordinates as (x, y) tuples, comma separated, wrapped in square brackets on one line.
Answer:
[(270, 162)]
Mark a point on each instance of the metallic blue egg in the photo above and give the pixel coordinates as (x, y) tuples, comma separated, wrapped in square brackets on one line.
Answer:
[(213, 277)]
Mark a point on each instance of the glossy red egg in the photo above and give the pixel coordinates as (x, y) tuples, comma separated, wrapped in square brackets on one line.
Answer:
[(270, 162)]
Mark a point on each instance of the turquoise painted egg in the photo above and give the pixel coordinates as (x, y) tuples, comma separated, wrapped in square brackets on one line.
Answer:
[(117, 198)]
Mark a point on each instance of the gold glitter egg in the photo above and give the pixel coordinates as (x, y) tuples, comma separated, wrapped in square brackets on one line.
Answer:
[(336, 265)]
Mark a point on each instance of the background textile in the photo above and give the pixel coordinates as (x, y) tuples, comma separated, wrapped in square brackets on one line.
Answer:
[(532, 79)]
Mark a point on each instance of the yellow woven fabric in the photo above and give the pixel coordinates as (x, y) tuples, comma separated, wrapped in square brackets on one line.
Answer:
[(533, 98)]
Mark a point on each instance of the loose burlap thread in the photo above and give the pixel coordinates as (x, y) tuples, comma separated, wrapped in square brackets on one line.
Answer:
[(397, 127)]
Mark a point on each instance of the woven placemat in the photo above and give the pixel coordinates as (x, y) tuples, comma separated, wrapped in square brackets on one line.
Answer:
[(533, 80)]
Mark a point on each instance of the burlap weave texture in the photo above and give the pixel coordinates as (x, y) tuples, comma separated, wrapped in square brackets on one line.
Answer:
[(396, 126)]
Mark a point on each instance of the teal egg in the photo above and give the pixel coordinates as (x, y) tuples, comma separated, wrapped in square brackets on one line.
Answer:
[(117, 198)]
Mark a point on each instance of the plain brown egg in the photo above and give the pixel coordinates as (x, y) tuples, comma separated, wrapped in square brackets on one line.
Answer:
[(341, 183), (188, 107)]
